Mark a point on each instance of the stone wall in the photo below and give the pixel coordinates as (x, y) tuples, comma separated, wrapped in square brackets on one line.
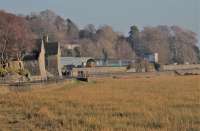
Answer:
[(100, 70), (32, 67), (180, 67), (51, 65), (42, 68), (59, 67)]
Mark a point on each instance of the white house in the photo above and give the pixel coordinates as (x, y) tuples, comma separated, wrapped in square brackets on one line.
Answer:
[(151, 57)]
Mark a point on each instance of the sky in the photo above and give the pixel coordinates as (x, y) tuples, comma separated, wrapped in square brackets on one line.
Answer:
[(120, 14)]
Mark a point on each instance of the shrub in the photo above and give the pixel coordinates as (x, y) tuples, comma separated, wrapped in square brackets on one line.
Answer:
[(12, 70), (23, 72), (3, 72)]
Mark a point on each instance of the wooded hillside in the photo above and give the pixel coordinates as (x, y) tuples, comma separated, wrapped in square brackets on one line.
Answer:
[(18, 35)]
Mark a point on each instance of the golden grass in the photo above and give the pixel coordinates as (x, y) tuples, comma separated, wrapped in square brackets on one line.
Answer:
[(157, 103)]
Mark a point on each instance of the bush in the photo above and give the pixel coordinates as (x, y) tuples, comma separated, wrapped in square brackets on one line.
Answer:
[(3, 72), (23, 72), (12, 70)]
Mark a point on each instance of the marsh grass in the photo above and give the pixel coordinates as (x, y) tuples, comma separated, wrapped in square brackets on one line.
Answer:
[(154, 103)]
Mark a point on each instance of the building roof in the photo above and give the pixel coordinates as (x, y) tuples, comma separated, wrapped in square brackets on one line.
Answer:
[(31, 57), (51, 48), (76, 61)]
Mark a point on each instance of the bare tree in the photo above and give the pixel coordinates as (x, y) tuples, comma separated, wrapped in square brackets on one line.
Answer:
[(124, 50), (15, 37)]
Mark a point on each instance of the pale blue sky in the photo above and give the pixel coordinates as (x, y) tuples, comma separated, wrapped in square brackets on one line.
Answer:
[(120, 14)]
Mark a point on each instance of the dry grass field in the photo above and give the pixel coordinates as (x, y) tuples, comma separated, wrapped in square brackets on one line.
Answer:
[(158, 103)]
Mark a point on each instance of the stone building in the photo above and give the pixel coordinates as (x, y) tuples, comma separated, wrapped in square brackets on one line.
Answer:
[(35, 62), (44, 61), (151, 57), (52, 58)]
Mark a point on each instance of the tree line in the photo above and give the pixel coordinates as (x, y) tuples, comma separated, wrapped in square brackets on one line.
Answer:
[(18, 35)]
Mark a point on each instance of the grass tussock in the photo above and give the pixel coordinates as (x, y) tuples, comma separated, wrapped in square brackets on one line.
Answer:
[(146, 103)]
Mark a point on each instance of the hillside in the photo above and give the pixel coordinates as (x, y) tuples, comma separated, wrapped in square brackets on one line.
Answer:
[(173, 43)]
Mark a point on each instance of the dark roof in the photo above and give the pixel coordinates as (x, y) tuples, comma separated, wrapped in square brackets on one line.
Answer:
[(37, 45), (31, 57), (51, 48)]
